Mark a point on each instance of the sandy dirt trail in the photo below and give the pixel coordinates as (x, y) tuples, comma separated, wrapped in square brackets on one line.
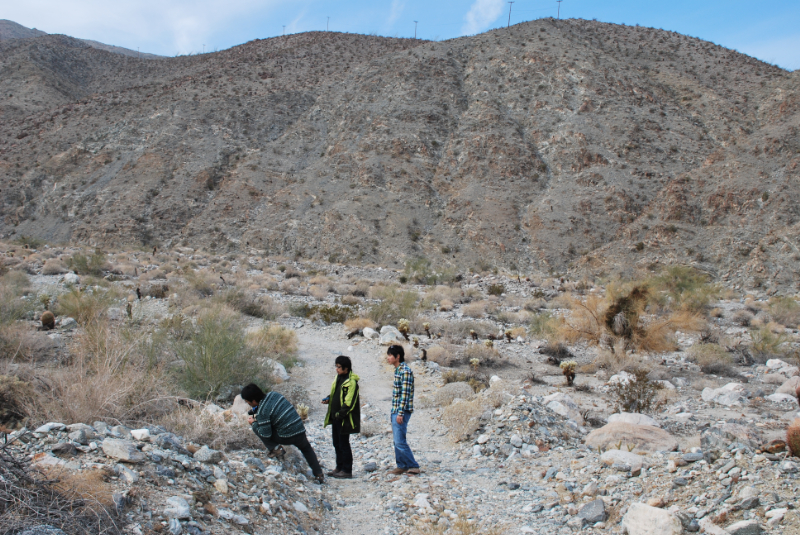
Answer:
[(357, 502)]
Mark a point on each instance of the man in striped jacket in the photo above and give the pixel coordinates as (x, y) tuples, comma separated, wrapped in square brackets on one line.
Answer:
[(276, 422)]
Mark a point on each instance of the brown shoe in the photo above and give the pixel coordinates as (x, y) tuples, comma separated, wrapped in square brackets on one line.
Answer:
[(277, 452), (333, 473), (343, 475), (397, 471), (413, 471)]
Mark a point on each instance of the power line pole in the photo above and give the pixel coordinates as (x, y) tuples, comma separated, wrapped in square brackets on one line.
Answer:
[(284, 28), (510, 4), (559, 8), (415, 29), (328, 25)]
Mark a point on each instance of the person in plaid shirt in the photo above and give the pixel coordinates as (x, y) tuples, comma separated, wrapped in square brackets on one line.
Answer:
[(402, 407)]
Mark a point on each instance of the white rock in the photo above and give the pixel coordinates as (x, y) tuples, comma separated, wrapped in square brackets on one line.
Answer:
[(641, 519), (126, 474), (776, 512), (423, 505), (775, 364), (299, 507), (71, 278), (370, 334), (390, 336), (564, 405), (789, 387), (622, 377), (483, 439), (730, 394), (239, 406), (494, 379), (212, 410), (221, 485), (52, 426), (633, 418), (141, 434), (122, 450), (636, 462), (666, 384), (280, 371), (781, 398), (178, 508)]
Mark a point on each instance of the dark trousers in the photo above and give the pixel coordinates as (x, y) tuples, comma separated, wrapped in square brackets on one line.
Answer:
[(341, 443), (300, 441)]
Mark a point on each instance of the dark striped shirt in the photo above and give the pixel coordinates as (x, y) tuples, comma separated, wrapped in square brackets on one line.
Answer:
[(276, 415)]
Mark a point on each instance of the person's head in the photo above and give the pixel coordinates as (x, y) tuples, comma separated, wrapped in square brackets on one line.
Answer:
[(343, 365), (395, 354), (252, 394)]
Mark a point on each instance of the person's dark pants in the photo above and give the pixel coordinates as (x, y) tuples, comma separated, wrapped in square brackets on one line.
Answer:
[(300, 441), (341, 443)]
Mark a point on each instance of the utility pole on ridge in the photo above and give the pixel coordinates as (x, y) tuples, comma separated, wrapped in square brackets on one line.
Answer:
[(510, 4), (415, 29), (559, 8)]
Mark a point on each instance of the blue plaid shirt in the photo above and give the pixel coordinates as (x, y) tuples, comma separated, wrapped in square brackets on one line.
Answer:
[(403, 391)]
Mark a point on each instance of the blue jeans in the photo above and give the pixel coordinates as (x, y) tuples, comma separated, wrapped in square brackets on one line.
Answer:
[(402, 453)]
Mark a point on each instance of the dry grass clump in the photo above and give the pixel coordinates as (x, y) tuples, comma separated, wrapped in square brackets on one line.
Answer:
[(201, 427), (785, 311), (465, 524), (712, 359), (463, 417), (54, 266), (85, 306), (19, 343), (108, 378), (743, 318), (249, 303), (683, 288), (203, 283), (318, 292), (276, 342), (359, 323), (460, 330), (767, 344), (13, 285), (442, 356), (394, 305), (290, 286), (544, 325), (488, 357), (613, 361), (13, 395), (350, 300)]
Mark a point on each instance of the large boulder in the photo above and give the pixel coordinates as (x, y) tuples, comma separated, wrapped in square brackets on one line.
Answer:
[(633, 418), (239, 406), (789, 387), (721, 436), (122, 450), (730, 394), (642, 519), (564, 405), (370, 333), (645, 437), (390, 336)]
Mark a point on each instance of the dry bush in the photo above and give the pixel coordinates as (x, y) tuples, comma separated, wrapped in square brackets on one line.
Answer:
[(350, 300), (275, 341), (544, 325), (320, 280), (200, 427), (359, 323), (614, 361), (84, 485), (13, 285), (743, 318), (13, 395), (107, 379), (249, 303), (717, 313), (785, 311), (683, 288), (84, 306), (488, 357), (513, 318), (318, 292), (767, 345), (54, 266), (459, 330), (290, 286), (712, 359), (19, 342), (475, 310), (441, 294), (476, 381), (638, 394), (394, 305), (460, 526), (463, 417), (442, 356), (204, 282)]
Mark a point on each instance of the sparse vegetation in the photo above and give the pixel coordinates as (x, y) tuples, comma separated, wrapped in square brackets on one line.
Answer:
[(767, 344), (93, 264), (637, 393), (394, 305)]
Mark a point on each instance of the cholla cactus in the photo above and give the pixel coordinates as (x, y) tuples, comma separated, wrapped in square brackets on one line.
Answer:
[(508, 335), (568, 369), (302, 410), (488, 343), (415, 341), (474, 363), (427, 327), (403, 326)]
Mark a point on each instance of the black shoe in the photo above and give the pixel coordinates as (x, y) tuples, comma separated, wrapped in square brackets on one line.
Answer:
[(343, 475), (277, 452), (333, 473), (320, 479)]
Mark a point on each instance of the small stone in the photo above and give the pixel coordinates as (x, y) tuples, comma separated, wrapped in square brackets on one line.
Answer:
[(680, 481), (79, 437), (175, 527), (370, 466), (207, 455), (748, 503), (483, 439), (122, 450), (65, 449), (42, 530), (126, 474), (256, 463), (141, 434), (657, 502), (240, 520), (693, 457), (590, 489), (300, 507), (745, 527), (516, 441), (643, 519), (594, 511), (221, 485)]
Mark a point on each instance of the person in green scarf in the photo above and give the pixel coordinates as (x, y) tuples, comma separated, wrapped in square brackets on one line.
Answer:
[(344, 415)]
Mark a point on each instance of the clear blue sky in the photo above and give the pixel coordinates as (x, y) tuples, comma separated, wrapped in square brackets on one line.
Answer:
[(767, 30)]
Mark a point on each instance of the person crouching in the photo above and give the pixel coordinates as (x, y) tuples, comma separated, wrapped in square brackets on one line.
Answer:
[(344, 415), (276, 422)]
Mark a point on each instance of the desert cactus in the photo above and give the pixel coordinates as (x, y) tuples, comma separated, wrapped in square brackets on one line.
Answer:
[(44, 299), (793, 437), (568, 369), (415, 341), (403, 326), (427, 327), (473, 334), (488, 343), (508, 335), (302, 410), (474, 363), (48, 320), (129, 310)]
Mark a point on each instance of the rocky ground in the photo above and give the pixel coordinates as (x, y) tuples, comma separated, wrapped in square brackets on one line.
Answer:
[(525, 455)]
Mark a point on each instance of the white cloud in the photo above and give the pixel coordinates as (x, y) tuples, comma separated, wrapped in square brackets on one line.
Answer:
[(295, 26), (395, 11), (481, 15)]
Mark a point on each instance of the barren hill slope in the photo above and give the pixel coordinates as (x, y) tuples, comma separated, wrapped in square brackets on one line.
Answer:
[(552, 145)]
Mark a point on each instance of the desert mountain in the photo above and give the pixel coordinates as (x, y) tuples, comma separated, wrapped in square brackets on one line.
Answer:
[(11, 30), (553, 145)]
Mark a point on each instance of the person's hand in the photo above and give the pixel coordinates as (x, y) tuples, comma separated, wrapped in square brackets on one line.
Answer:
[(251, 419), (400, 419), (325, 401)]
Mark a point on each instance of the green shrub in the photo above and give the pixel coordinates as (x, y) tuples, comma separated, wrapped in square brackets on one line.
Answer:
[(275, 342), (85, 307), (543, 325), (496, 289), (785, 311), (683, 287), (394, 305), (215, 356), (767, 344), (88, 265)]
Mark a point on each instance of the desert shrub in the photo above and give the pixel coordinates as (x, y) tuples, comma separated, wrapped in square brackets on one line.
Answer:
[(275, 342), (350, 300), (441, 356), (88, 265), (156, 291), (743, 318), (215, 356), (318, 292), (441, 294), (19, 343), (706, 354), (106, 379), (785, 311), (13, 393), (463, 525), (249, 303), (637, 394), (421, 271), (510, 318), (359, 324), (475, 310), (202, 283), (451, 391), (394, 305), (767, 344), (476, 381), (459, 330), (543, 325), (487, 356), (683, 287), (300, 310), (54, 266), (84, 306), (199, 426), (13, 285), (463, 417), (332, 313), (496, 289)]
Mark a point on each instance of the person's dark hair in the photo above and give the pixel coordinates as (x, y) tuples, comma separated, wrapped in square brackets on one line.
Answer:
[(344, 362), (253, 393), (397, 351)]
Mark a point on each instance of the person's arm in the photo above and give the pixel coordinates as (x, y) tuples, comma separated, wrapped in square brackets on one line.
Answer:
[(349, 401), (262, 426), (406, 381)]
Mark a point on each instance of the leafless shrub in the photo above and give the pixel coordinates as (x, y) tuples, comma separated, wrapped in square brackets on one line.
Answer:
[(442, 355), (359, 323), (637, 394), (54, 266), (220, 432), (743, 318)]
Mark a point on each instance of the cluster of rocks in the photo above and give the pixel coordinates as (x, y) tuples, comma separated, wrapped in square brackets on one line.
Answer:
[(161, 483)]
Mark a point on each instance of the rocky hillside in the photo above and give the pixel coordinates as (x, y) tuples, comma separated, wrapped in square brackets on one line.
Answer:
[(552, 146)]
